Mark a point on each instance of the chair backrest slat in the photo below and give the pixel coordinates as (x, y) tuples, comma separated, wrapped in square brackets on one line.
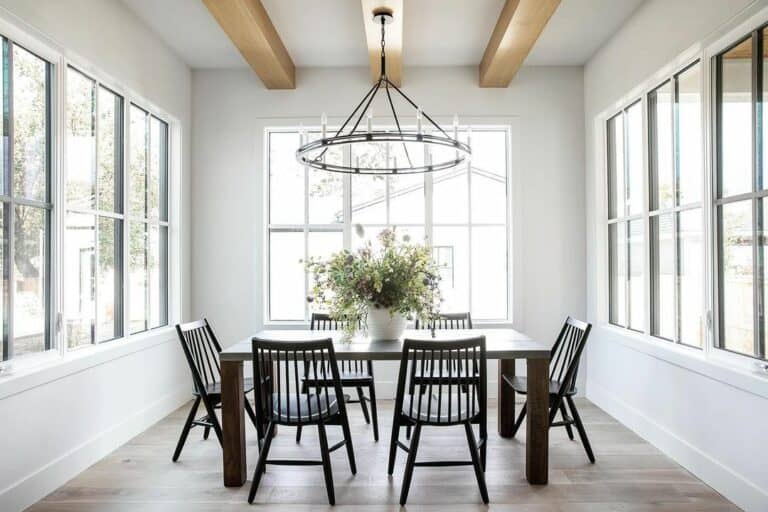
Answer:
[(451, 380), (201, 349)]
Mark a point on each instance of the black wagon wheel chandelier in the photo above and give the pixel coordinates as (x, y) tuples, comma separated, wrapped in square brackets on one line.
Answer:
[(313, 154)]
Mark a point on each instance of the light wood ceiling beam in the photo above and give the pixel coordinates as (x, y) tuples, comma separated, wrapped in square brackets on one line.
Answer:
[(394, 39), (247, 24), (519, 26)]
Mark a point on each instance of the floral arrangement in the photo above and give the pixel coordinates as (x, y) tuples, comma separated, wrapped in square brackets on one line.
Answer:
[(401, 277)]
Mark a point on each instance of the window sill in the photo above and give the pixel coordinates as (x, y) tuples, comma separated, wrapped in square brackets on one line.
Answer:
[(743, 375), (39, 370)]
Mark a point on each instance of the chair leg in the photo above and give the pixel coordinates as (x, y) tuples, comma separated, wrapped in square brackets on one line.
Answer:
[(580, 428), (408, 432), (259, 433), (479, 472), (213, 419), (484, 446), (250, 412), (206, 433), (348, 443), (363, 405), (185, 430), (393, 443), (262, 463), (298, 434), (565, 416), (519, 420), (326, 456), (409, 465), (374, 412)]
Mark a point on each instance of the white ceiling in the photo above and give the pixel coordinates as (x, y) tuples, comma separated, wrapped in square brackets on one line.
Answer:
[(435, 33)]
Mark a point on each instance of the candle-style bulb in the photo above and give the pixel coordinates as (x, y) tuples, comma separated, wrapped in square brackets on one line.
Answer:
[(323, 124), (369, 121), (469, 143), (418, 120), (456, 131)]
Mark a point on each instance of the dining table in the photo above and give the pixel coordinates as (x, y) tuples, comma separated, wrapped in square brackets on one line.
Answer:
[(504, 345)]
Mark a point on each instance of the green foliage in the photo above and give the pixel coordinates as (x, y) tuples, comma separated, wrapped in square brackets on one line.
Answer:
[(402, 277)]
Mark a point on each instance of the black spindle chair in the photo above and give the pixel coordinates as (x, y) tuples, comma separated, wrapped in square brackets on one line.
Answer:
[(356, 374), (202, 349), (281, 400), (563, 368), (443, 322), (453, 380), (446, 321)]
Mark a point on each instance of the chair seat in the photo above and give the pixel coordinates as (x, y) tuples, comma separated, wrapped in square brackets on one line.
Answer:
[(215, 387), (348, 378), (520, 385), (460, 409), (307, 405)]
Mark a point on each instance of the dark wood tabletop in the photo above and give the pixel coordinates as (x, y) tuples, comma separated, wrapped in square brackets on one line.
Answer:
[(500, 344)]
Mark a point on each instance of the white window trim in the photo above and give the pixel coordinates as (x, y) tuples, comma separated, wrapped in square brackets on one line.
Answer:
[(506, 124), (741, 371), (36, 369)]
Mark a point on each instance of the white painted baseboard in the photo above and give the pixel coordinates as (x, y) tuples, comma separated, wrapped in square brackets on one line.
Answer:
[(37, 485), (723, 479)]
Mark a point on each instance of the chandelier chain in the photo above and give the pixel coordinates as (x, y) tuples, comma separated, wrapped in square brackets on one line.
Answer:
[(312, 154), (383, 53), (382, 38)]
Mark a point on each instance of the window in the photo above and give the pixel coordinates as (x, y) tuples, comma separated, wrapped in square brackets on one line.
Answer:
[(679, 213), (741, 135), (84, 252), (675, 176), (674, 217), (94, 222), (147, 221), (462, 213), (25, 217), (625, 220)]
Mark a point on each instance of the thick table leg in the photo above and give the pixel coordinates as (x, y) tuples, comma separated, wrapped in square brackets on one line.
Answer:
[(233, 423), (506, 400), (537, 426)]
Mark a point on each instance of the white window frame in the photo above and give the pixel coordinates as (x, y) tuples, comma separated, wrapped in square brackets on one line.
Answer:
[(32, 369), (146, 221), (676, 209), (742, 371), (96, 212), (346, 227), (640, 94)]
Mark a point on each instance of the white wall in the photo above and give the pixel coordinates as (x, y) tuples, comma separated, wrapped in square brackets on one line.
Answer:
[(231, 109), (709, 419), (57, 422)]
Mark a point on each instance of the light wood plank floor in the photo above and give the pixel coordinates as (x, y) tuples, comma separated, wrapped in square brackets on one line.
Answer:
[(630, 475)]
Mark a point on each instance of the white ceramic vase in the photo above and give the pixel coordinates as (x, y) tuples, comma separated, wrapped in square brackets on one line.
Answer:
[(383, 325)]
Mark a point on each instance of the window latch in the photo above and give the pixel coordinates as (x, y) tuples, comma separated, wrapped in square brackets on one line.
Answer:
[(58, 322)]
